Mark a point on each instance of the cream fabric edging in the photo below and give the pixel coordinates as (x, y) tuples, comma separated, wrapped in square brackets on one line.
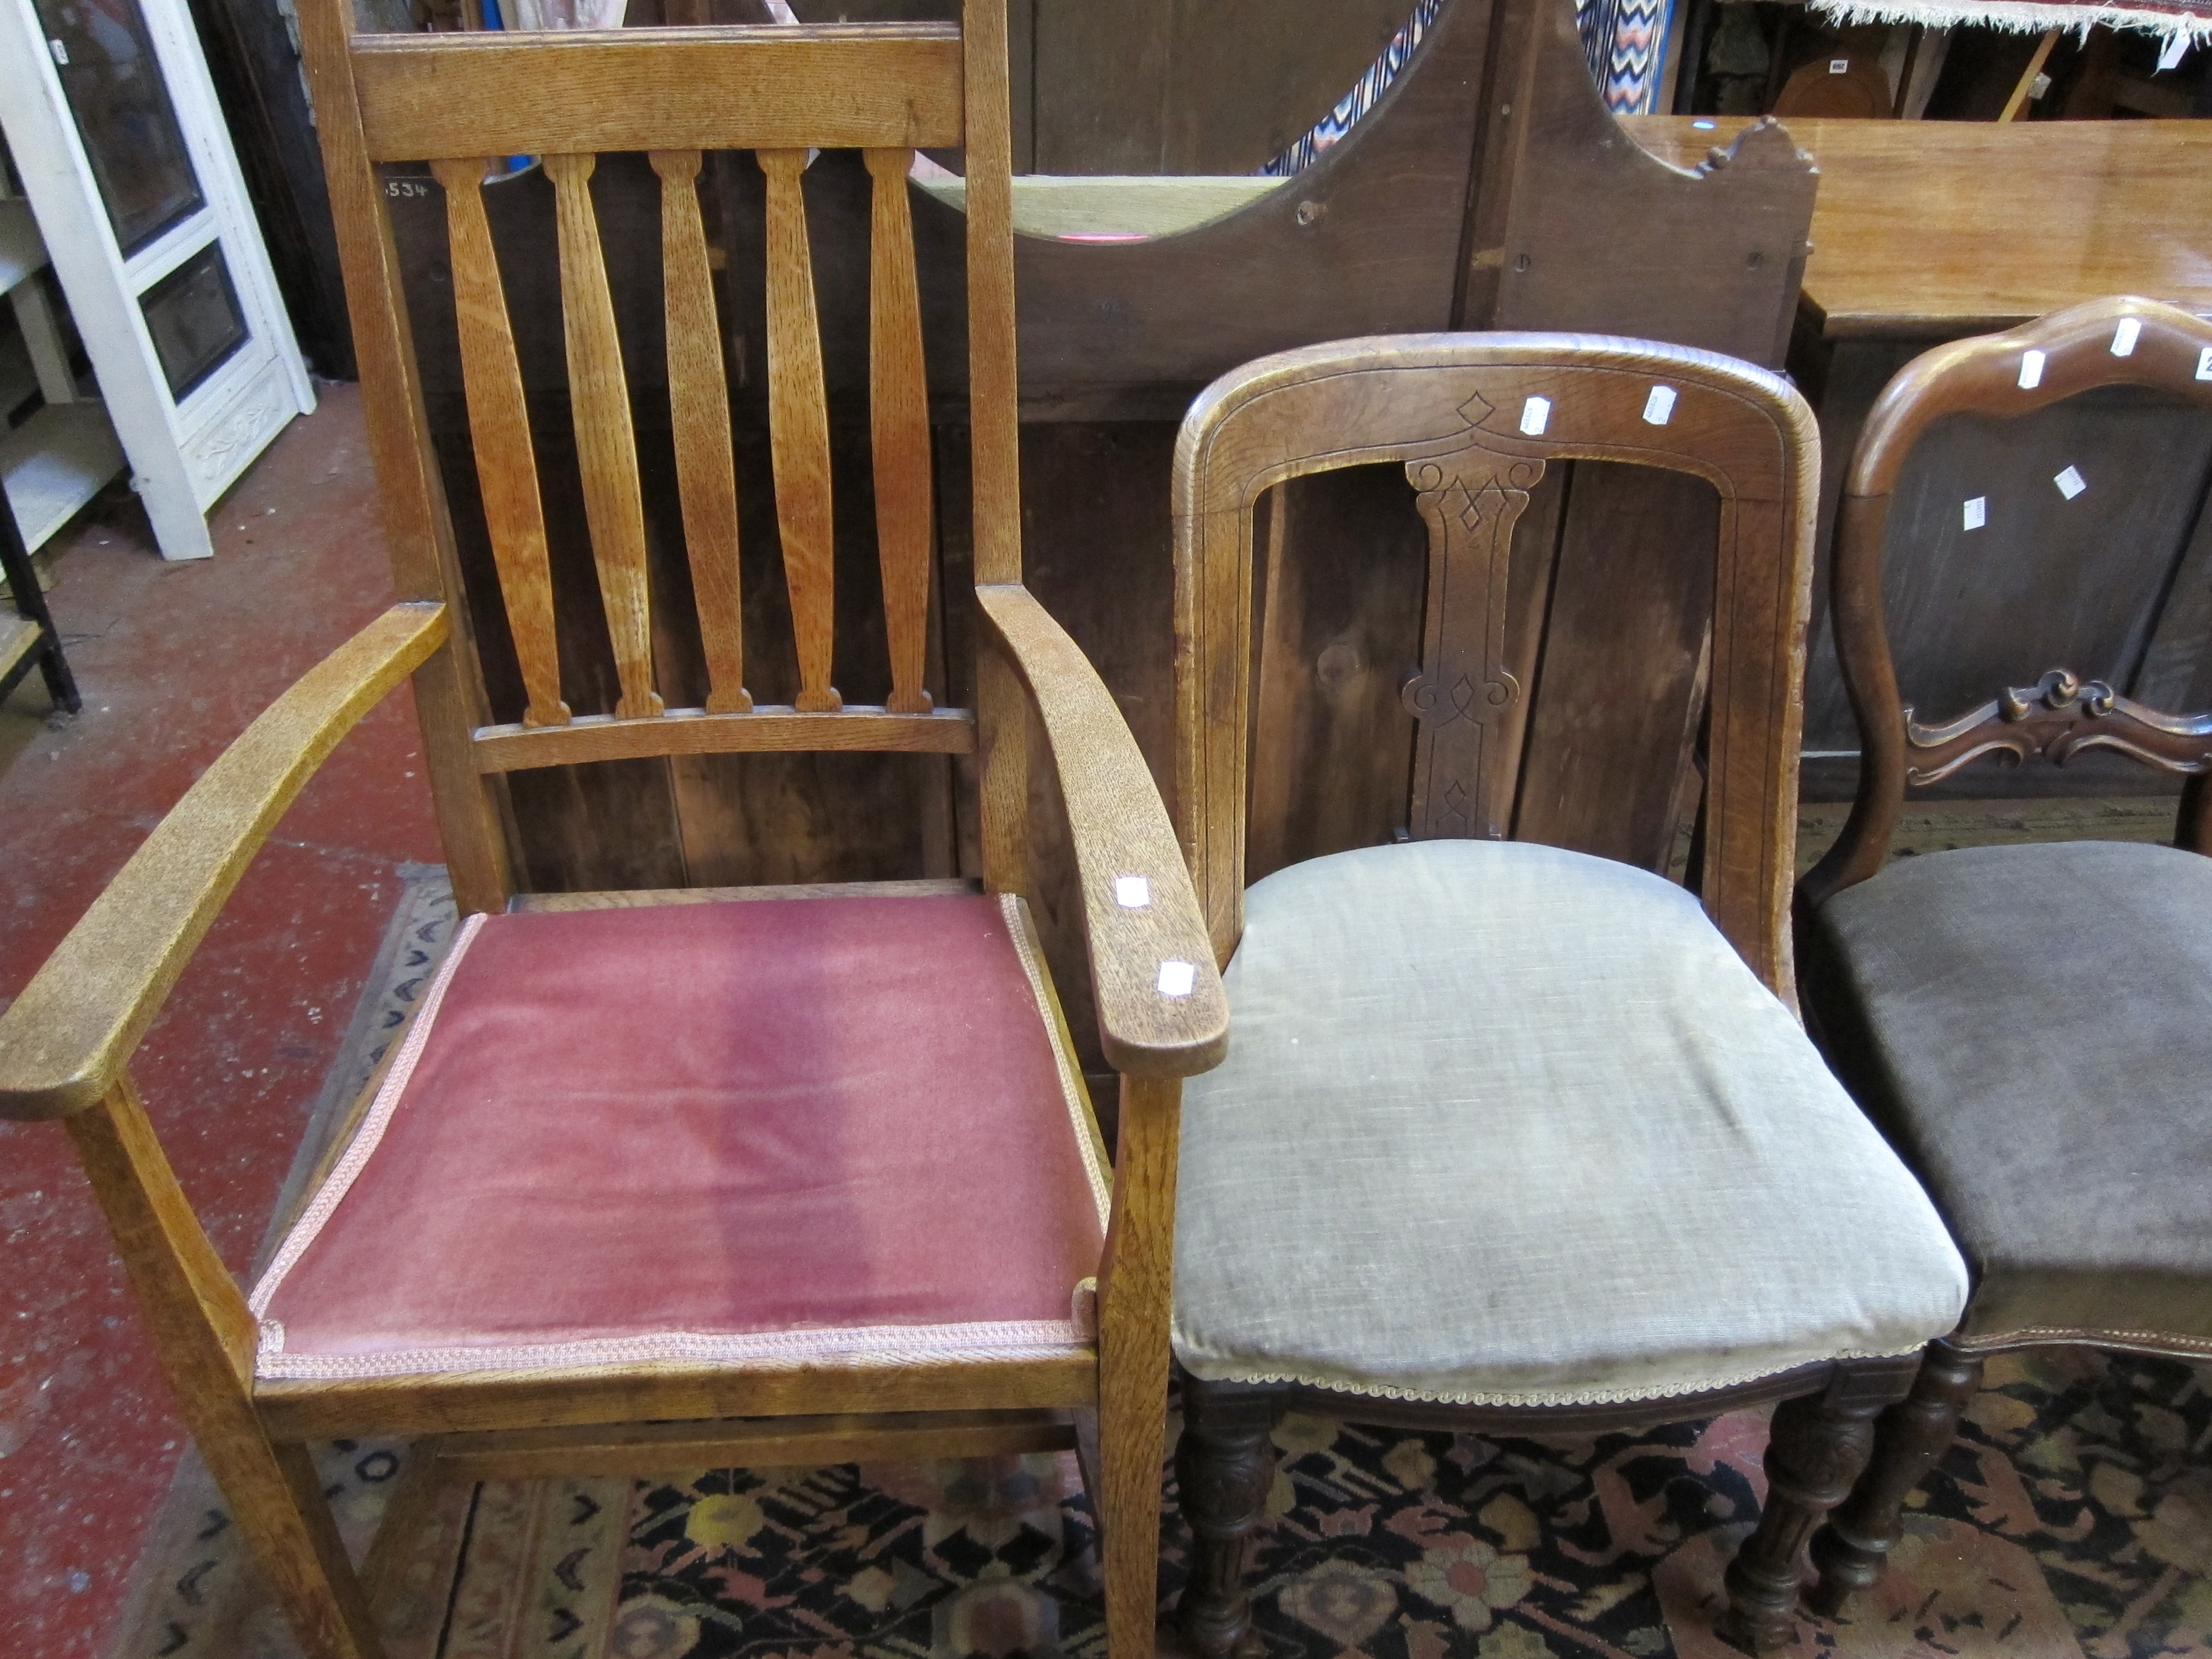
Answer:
[(1503, 1124)]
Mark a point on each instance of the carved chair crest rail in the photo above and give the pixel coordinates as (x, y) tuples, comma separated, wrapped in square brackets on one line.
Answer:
[(2120, 341)]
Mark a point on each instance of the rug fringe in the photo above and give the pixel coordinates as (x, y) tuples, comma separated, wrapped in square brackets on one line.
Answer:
[(2024, 16)]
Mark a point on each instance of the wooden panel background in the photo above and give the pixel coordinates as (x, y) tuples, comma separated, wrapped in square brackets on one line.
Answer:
[(1140, 86)]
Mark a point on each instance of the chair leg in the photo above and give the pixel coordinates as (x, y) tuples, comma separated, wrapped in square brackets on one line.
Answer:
[(276, 1500), (1223, 1469), (413, 1500), (1135, 1303), (1908, 1438), (1818, 1446), (204, 1335)]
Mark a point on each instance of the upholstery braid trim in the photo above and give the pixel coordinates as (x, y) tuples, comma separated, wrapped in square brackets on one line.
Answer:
[(364, 1143), (1004, 1340), (2047, 1336), (1586, 1396)]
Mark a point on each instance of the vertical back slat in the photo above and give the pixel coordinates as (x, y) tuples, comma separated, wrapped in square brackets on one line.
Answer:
[(994, 392), (798, 429), (898, 414), (606, 451), (699, 405), (499, 427)]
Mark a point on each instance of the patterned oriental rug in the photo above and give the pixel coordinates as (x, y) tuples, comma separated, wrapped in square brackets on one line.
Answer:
[(2072, 1521)]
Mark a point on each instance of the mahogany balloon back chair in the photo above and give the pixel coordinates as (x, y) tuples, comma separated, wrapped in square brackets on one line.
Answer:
[(795, 1175), (2064, 1137), (1512, 1136)]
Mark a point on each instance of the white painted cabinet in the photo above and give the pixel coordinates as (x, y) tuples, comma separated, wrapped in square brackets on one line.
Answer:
[(112, 123)]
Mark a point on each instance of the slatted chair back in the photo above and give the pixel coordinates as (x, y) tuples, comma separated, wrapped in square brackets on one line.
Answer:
[(462, 103), (2121, 341), (1474, 419)]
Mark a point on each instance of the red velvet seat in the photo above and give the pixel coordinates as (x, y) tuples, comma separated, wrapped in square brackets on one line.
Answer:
[(771, 1130)]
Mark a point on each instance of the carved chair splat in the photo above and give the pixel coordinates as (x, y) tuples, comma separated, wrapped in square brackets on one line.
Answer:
[(1358, 965), (1907, 968), (1013, 1350)]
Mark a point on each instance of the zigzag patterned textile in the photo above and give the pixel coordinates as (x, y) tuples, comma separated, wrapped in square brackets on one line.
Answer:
[(1625, 41), (1363, 97)]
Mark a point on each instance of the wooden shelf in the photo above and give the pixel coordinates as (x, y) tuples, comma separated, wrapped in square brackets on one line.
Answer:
[(1114, 208), (17, 637), (21, 251), (56, 462)]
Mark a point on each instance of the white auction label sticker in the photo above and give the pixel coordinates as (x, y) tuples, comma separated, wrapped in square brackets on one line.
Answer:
[(2031, 369), (2204, 364), (1659, 407), (1535, 416), (1976, 512), (2125, 336), (1131, 892), (1839, 66), (2070, 482), (1176, 979)]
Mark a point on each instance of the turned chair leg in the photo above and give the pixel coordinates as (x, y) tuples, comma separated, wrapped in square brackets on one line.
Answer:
[(1908, 1438), (1818, 1447), (1223, 1469)]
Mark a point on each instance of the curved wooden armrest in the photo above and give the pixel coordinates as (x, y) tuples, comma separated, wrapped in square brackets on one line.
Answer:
[(66, 1039), (1120, 829)]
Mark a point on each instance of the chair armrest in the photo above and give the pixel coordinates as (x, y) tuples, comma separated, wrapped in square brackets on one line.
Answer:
[(1120, 829), (66, 1039)]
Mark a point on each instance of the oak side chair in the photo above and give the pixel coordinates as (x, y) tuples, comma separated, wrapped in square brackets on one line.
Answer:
[(791, 1177), (1511, 1136), (2065, 1138)]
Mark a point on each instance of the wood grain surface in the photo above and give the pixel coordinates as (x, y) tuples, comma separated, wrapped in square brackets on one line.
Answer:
[(898, 416), (667, 88), (699, 407), (1930, 228), (499, 415), (744, 1442), (66, 1039), (799, 430), (1120, 830), (205, 1335), (697, 732), (426, 561), (666, 1392), (606, 448)]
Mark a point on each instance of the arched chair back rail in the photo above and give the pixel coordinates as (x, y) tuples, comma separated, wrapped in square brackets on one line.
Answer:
[(2122, 341), (1474, 419), (1436, 1037), (881, 1221), (2068, 1151)]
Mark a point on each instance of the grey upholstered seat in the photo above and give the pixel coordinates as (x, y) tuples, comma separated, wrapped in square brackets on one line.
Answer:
[(2034, 1025), (1505, 1124)]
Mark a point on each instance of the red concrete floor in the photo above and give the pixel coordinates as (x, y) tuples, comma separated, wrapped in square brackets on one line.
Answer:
[(174, 660)]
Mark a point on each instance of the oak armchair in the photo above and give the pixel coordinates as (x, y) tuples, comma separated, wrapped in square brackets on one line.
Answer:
[(788, 1174), (1512, 1136), (2065, 1140)]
